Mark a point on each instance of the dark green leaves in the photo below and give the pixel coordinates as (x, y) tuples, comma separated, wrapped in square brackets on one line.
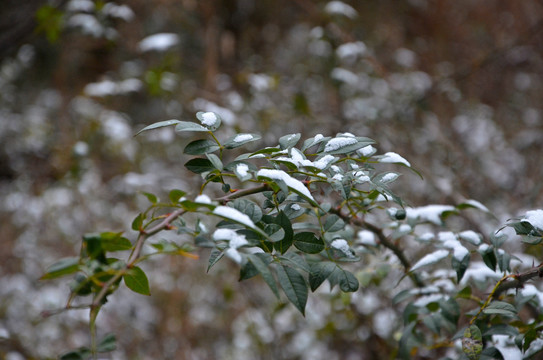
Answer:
[(294, 286), (308, 243), (261, 266), (136, 280), (200, 147), (189, 126), (199, 165), (288, 141), (500, 308)]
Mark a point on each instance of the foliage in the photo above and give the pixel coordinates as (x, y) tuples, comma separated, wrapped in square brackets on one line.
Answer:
[(293, 214)]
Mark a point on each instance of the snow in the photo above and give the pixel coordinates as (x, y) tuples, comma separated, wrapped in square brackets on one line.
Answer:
[(323, 162), (291, 182), (361, 176), (343, 246), (425, 300), (242, 169), (234, 255), (108, 87), (242, 137), (535, 347), (340, 8), (506, 345), (430, 213), (335, 168), (351, 49), (430, 259), (295, 207), (529, 290), (260, 82), (337, 177), (470, 236), (479, 272), (80, 6), (203, 199), (297, 158), (338, 143), (317, 137), (392, 157), (535, 218), (366, 151), (158, 42), (234, 239), (344, 75), (235, 215), (450, 241), (426, 237), (209, 119), (477, 204), (118, 11), (389, 177), (366, 237)]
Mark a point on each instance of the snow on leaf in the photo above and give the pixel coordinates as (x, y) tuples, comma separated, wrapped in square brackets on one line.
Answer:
[(431, 259), (470, 236), (535, 218), (291, 182), (234, 215), (158, 42), (234, 239), (340, 8), (209, 118), (393, 158), (242, 137), (203, 199), (429, 213), (338, 143)]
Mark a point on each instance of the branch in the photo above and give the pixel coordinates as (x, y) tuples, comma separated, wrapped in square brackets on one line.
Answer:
[(517, 281), (241, 193), (383, 240), (136, 253)]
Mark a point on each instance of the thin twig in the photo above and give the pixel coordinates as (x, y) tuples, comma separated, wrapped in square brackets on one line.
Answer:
[(241, 193)]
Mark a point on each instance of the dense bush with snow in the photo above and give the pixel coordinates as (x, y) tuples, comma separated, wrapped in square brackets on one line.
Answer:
[(331, 151)]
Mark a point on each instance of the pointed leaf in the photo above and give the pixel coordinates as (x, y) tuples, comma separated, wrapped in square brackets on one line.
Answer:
[(288, 141), (320, 271), (175, 195), (62, 267), (189, 126), (111, 241), (264, 270), (199, 165), (294, 286), (215, 161), (209, 119), (136, 280), (107, 344), (472, 342), (158, 125), (240, 139), (202, 146), (214, 257), (333, 223), (308, 243), (137, 223)]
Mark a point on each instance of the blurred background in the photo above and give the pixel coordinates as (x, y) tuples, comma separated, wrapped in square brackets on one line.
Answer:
[(453, 86)]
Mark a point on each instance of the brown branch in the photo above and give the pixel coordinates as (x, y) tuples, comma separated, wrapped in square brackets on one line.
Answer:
[(136, 253), (384, 240), (241, 193), (517, 281)]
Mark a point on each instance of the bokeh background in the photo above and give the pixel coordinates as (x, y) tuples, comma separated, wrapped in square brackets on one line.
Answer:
[(453, 86)]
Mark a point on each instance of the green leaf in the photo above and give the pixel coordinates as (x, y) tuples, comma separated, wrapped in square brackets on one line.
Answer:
[(472, 342), (348, 147), (111, 241), (65, 266), (320, 271), (189, 126), (247, 271), (136, 280), (137, 223), (460, 266), (158, 125), (215, 161), (294, 286), (307, 242), (240, 140), (199, 165), (288, 141), (249, 208), (500, 308), (151, 197), (83, 353), (295, 260), (262, 267), (107, 344), (347, 281), (501, 329), (214, 257), (202, 146), (333, 223), (489, 258), (284, 244), (175, 195), (401, 296), (209, 119)]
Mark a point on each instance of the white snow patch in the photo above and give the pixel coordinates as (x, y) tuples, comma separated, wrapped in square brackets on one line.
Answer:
[(209, 118), (337, 177), (234, 255), (535, 218), (425, 300), (470, 236), (118, 11), (479, 272), (344, 75), (392, 157), (323, 162), (477, 204), (430, 259), (506, 345), (535, 347), (426, 237), (242, 169), (203, 199), (430, 213), (340, 8), (530, 290), (483, 248), (366, 151), (338, 143), (351, 49), (158, 42), (389, 177), (234, 239), (291, 182), (450, 241), (242, 137), (341, 245), (233, 214), (366, 237), (317, 137)]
